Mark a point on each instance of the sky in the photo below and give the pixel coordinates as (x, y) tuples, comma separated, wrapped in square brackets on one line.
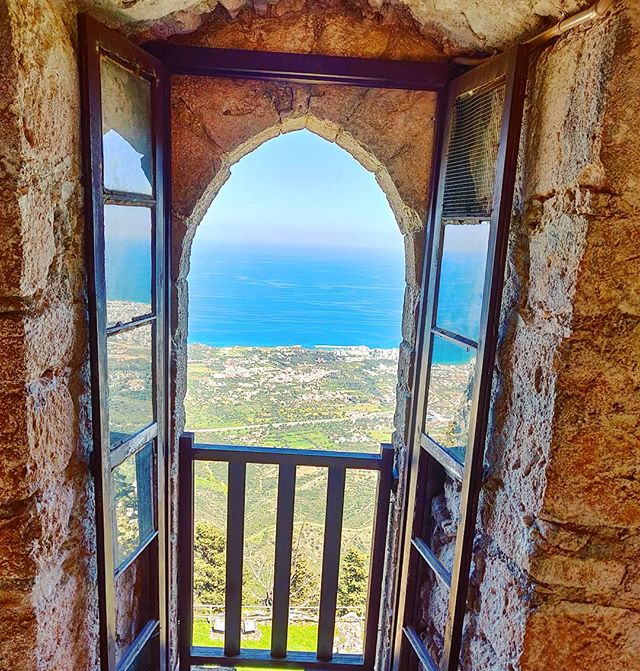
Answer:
[(295, 190), (301, 190)]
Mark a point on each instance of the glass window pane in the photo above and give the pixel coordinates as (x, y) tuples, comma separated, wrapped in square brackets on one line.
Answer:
[(148, 657), (450, 394), (133, 502), (135, 600), (129, 359), (126, 129), (464, 260), (439, 533), (127, 262), (442, 520)]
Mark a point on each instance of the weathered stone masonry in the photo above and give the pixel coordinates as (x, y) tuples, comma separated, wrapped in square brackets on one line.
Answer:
[(556, 583), (557, 561), (48, 617)]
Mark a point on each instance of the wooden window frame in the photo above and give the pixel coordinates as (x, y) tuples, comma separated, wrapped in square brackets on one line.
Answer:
[(176, 59), (427, 462), (96, 40), (294, 68)]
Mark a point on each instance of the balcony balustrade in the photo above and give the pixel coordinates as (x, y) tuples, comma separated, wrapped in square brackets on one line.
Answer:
[(287, 460)]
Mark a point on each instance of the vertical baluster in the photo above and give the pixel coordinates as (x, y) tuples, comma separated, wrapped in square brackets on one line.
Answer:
[(284, 546), (331, 563), (235, 543), (378, 552), (185, 547)]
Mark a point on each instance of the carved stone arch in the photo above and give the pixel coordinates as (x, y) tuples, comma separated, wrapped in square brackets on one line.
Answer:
[(216, 122)]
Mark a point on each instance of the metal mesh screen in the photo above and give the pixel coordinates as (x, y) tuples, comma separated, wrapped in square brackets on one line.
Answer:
[(472, 153)]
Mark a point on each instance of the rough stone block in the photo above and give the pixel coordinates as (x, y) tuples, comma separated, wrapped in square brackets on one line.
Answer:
[(54, 339), (19, 530), (582, 636), (503, 598), (18, 628), (593, 576), (13, 373), (567, 94), (410, 313)]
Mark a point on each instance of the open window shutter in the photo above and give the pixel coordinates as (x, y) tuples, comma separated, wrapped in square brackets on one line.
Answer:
[(467, 243), (123, 128)]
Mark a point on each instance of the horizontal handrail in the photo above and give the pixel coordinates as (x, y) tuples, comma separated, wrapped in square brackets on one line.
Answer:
[(287, 460), (284, 455), (262, 658)]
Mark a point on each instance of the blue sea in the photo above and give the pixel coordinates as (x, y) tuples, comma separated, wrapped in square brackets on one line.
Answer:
[(264, 297)]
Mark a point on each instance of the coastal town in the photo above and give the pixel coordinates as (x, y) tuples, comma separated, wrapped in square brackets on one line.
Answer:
[(324, 398)]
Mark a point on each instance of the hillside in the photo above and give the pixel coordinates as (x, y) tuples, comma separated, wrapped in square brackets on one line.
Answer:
[(331, 399)]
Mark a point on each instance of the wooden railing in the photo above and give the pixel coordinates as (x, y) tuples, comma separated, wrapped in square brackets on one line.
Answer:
[(287, 461)]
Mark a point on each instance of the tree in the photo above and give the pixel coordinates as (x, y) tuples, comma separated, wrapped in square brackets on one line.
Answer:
[(304, 585), (126, 508), (304, 582), (354, 579), (257, 586), (209, 564)]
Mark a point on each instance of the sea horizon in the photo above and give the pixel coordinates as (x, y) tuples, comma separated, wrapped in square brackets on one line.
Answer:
[(327, 348), (313, 298)]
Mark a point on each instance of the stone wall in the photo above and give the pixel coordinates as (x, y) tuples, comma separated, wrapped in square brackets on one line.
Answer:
[(48, 581), (487, 26), (555, 578), (47, 572), (587, 537)]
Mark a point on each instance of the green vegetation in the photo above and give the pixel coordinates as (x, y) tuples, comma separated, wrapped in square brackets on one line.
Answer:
[(301, 637), (133, 511), (352, 586), (331, 399), (209, 561), (338, 399), (292, 397), (288, 397), (209, 573), (305, 582), (130, 397)]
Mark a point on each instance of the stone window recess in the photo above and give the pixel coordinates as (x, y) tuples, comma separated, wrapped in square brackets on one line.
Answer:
[(126, 165), (555, 577)]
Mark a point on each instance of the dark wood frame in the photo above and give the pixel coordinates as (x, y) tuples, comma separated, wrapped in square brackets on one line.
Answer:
[(303, 68), (428, 461), (95, 40), (415, 555), (300, 68), (287, 459)]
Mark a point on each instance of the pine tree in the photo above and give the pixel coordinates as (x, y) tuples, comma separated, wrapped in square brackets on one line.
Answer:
[(354, 579), (209, 564)]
